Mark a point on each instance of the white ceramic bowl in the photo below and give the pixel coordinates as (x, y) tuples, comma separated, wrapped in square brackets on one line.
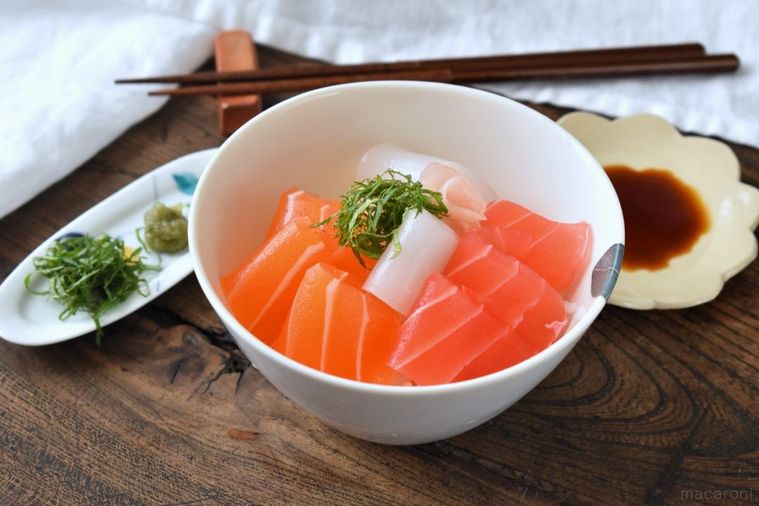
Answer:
[(314, 141)]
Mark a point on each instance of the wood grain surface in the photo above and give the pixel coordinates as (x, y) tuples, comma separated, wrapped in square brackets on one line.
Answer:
[(651, 407)]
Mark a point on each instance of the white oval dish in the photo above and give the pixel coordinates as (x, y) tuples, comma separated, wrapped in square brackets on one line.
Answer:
[(32, 320), (710, 167)]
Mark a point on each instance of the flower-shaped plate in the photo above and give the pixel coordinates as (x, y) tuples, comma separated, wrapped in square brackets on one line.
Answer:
[(707, 165)]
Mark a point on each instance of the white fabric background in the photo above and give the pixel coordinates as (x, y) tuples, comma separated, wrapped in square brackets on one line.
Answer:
[(58, 103), (59, 117)]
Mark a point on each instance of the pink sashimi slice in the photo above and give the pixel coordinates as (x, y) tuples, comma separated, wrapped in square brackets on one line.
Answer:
[(466, 206), (382, 157), (512, 291), (559, 252), (515, 294), (509, 350), (447, 328)]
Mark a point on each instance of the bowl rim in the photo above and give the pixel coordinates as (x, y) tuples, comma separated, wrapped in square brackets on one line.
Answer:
[(568, 340)]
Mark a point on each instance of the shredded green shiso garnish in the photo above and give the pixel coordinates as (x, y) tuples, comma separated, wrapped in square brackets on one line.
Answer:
[(372, 210), (93, 274)]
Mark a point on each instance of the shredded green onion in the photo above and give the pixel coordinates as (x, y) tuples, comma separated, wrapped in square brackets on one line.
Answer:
[(93, 274)]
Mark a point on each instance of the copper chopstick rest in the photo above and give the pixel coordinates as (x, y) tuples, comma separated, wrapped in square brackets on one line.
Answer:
[(634, 53), (703, 64), (234, 51)]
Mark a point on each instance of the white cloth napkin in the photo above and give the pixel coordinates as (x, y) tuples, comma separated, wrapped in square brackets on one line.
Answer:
[(63, 57), (349, 31), (58, 101)]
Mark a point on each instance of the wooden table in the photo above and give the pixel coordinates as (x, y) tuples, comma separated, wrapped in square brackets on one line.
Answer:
[(654, 406)]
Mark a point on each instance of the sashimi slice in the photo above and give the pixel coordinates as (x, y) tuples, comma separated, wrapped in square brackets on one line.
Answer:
[(516, 243), (303, 334), (344, 316), (260, 291), (426, 244), (447, 328), (529, 339), (377, 342), (295, 203), (509, 350), (344, 259), (513, 292), (559, 252), (335, 327), (382, 157), (465, 204)]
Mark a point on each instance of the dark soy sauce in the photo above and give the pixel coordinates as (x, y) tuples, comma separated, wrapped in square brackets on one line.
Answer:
[(664, 217)]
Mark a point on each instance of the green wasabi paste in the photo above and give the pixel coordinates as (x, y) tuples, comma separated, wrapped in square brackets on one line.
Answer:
[(165, 228)]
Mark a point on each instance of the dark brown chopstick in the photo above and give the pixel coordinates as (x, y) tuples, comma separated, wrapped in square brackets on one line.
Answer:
[(703, 64), (307, 83), (635, 53), (604, 68)]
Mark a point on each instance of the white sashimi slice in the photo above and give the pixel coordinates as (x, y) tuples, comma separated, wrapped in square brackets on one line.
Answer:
[(463, 193), (391, 156), (426, 246)]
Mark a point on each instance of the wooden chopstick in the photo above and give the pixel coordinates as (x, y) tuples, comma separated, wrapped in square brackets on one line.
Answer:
[(703, 64), (634, 53), (307, 83), (602, 68)]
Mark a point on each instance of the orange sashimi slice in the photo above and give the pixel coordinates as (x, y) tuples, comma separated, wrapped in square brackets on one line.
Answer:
[(377, 341), (335, 327), (295, 203), (344, 317), (302, 336), (559, 252), (344, 259), (260, 291), (447, 328)]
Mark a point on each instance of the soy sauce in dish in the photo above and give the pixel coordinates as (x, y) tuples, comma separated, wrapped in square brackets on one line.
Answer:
[(664, 217)]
